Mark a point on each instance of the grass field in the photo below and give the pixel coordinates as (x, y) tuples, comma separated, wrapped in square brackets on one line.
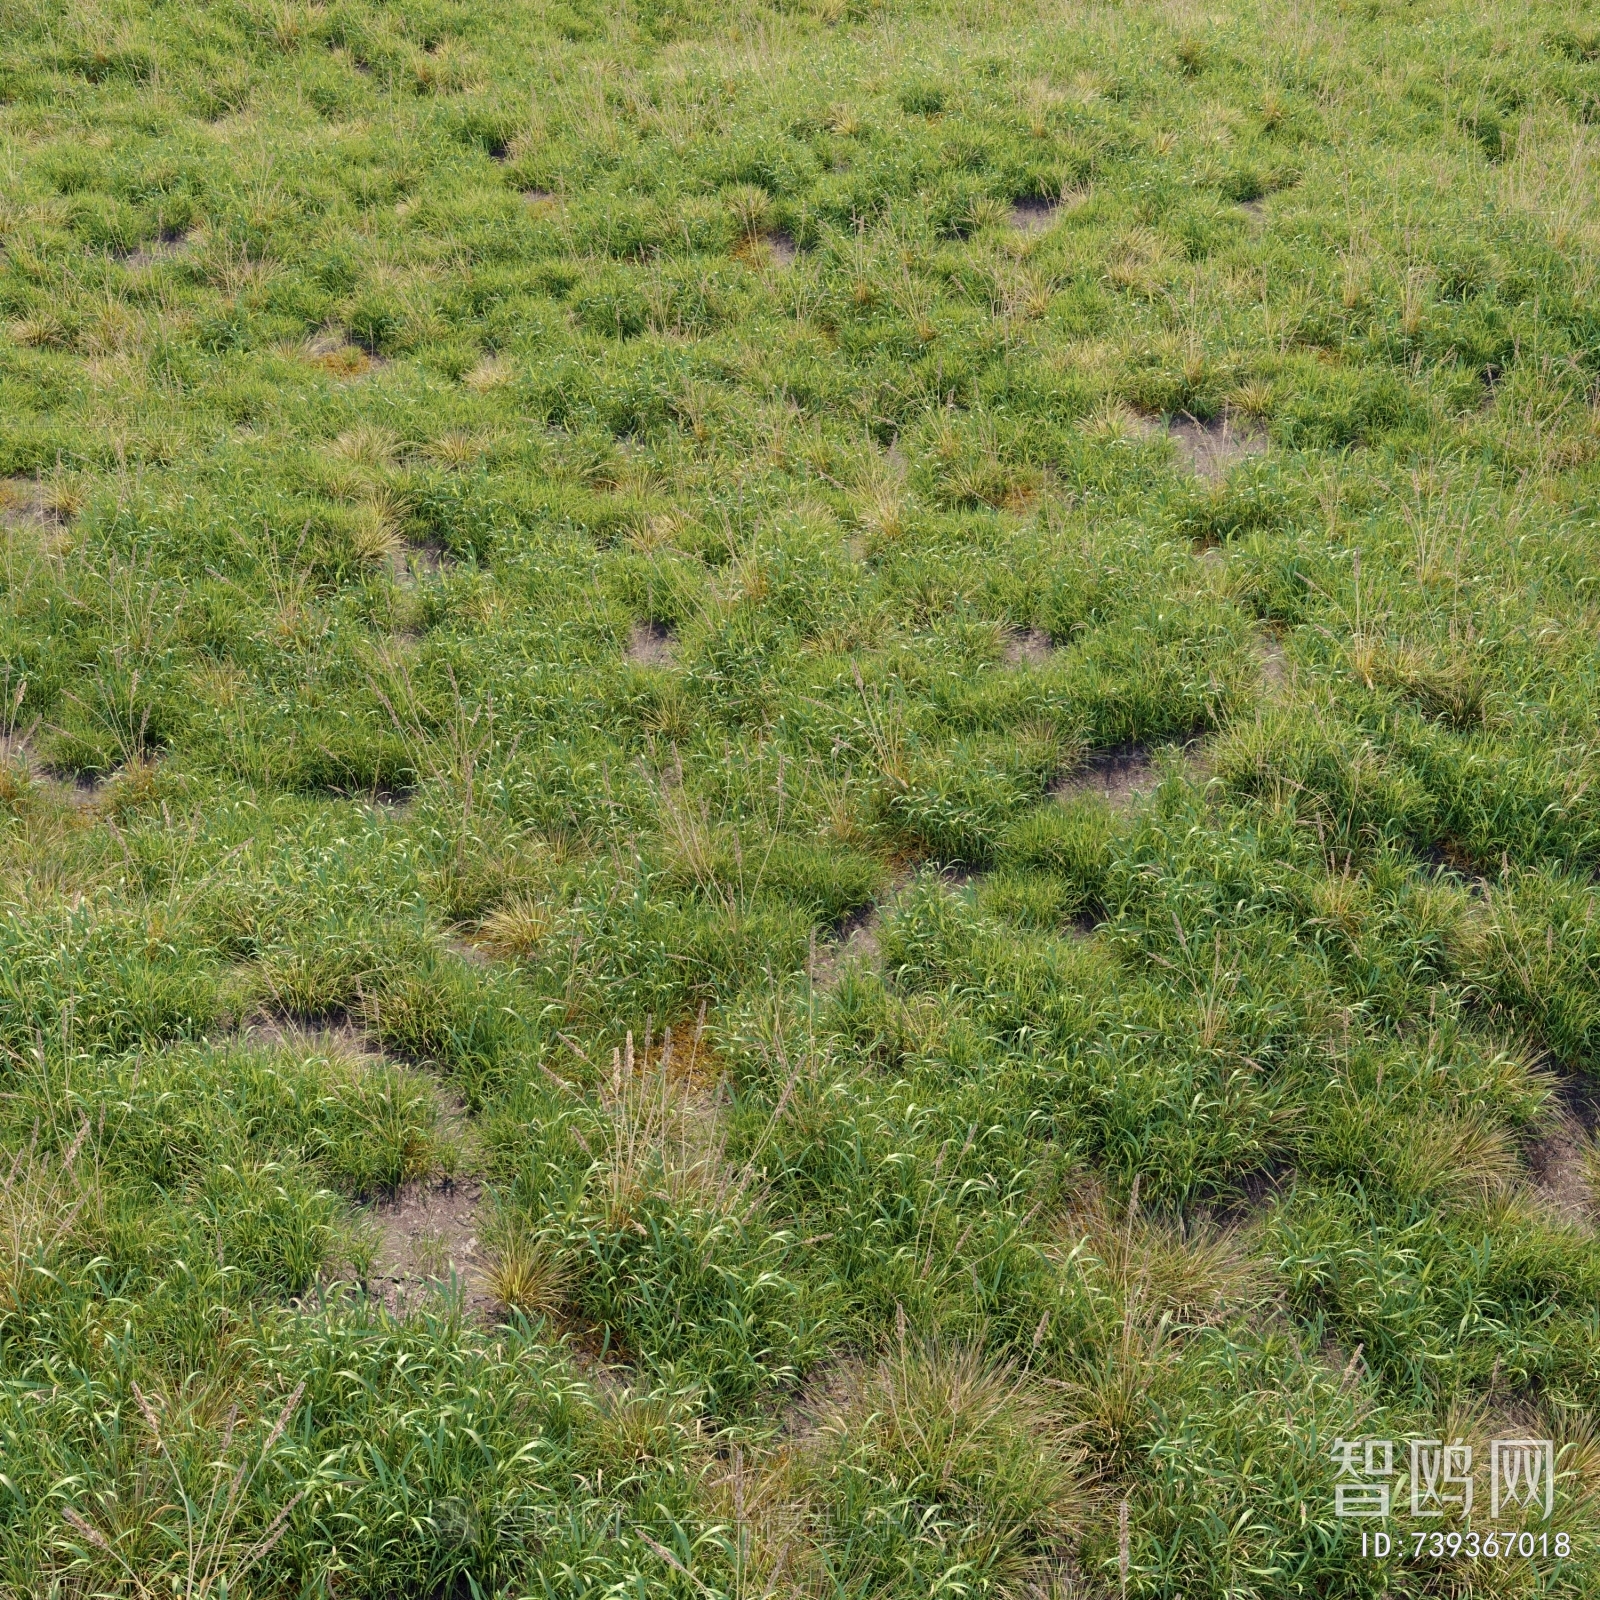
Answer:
[(797, 800)]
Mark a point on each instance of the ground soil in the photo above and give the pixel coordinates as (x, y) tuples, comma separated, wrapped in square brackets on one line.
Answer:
[(1032, 215), (650, 644), (1212, 447), (1029, 647), (428, 1238)]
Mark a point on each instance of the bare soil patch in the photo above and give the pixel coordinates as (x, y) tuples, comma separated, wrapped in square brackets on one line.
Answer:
[(28, 503), (85, 790), (427, 1234), (1029, 647), (1254, 1194), (472, 954), (427, 1239), (650, 644), (1211, 448), (82, 792), (858, 942), (1561, 1165), (1275, 669), (824, 1391), (1120, 776), (416, 561), (1033, 214), (858, 937), (781, 248), (334, 353), (325, 1036), (154, 250)]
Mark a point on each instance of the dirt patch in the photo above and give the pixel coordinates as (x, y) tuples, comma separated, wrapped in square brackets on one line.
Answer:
[(825, 1391), (1033, 214), (1119, 775), (328, 1036), (1255, 1193), (28, 503), (425, 1235), (428, 1238), (858, 937), (416, 561), (858, 943), (1275, 669), (154, 250), (108, 794), (1256, 211), (1211, 448), (1028, 647), (22, 774), (650, 644), (470, 953), (781, 249), (1446, 856), (1562, 1165), (80, 789), (85, 790)]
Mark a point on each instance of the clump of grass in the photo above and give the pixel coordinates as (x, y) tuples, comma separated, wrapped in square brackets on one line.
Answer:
[(940, 1463), (881, 508), (492, 372), (367, 445), (1071, 842), (49, 1201), (750, 208), (459, 447), (201, 1541), (660, 1203), (646, 1428), (1154, 1268), (1452, 687), (374, 532), (528, 1277), (518, 928)]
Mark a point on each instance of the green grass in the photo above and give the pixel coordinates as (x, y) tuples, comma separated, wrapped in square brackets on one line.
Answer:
[(575, 586)]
